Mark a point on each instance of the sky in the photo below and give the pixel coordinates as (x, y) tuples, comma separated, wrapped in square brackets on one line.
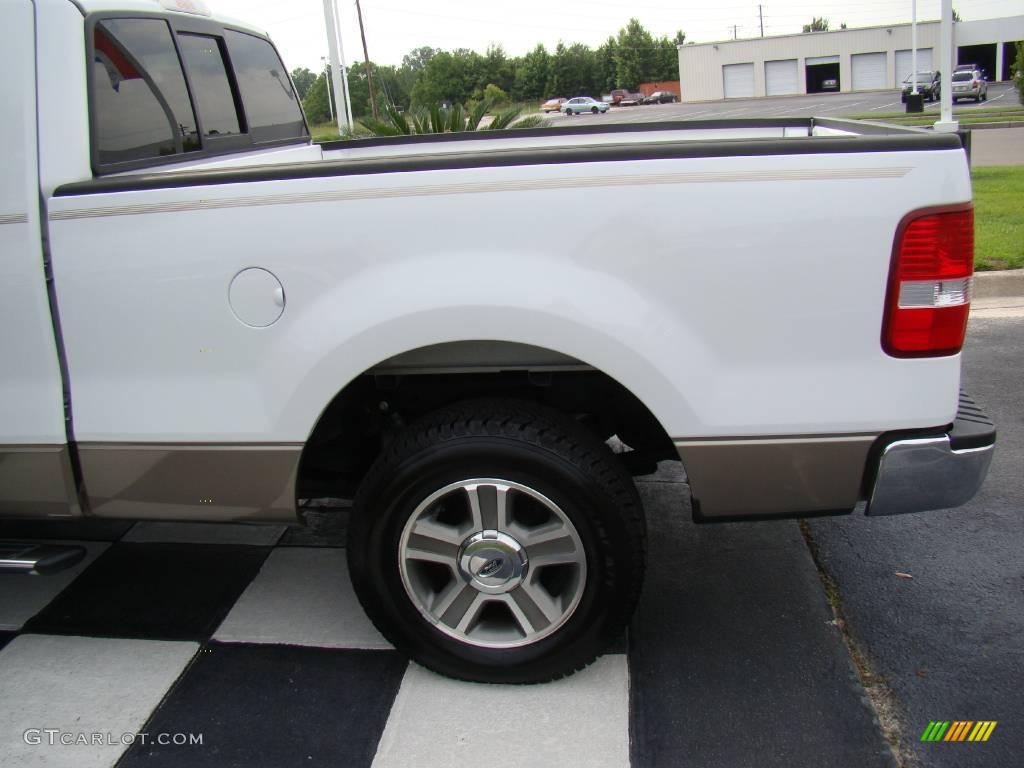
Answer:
[(395, 27)]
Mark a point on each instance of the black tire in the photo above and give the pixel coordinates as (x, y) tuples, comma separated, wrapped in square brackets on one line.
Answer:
[(595, 110), (523, 443)]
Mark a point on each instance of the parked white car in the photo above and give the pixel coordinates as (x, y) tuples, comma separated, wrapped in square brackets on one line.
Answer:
[(208, 317)]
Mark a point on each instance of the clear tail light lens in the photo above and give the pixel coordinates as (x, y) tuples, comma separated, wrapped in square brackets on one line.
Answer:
[(930, 284)]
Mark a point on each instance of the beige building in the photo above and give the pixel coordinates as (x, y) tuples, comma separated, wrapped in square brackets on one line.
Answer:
[(872, 58)]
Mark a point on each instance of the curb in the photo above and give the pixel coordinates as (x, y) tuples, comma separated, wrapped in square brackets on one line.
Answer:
[(985, 126), (996, 285)]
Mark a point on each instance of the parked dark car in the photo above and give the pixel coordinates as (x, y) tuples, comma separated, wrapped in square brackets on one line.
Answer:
[(661, 97), (929, 85)]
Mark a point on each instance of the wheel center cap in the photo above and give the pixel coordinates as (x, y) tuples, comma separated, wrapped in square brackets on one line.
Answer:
[(492, 562)]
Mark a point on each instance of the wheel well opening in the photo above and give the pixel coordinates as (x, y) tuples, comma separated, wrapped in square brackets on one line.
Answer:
[(365, 415)]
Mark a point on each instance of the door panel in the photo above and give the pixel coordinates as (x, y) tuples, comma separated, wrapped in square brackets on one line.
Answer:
[(34, 469)]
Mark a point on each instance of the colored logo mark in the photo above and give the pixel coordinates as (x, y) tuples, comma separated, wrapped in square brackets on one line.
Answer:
[(959, 730)]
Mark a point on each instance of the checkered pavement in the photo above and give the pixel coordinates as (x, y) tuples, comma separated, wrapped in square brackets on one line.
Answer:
[(251, 636), (235, 633)]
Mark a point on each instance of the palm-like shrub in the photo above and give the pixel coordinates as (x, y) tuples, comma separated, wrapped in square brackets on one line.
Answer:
[(454, 119)]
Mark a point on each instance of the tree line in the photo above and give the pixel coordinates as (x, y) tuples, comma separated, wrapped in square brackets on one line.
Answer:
[(430, 76)]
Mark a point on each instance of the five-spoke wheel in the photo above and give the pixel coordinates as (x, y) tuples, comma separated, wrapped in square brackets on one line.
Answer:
[(493, 563)]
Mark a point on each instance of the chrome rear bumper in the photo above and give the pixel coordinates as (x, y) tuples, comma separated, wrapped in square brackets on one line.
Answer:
[(935, 472)]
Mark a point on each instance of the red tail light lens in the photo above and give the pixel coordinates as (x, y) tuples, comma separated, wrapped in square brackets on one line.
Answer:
[(930, 284)]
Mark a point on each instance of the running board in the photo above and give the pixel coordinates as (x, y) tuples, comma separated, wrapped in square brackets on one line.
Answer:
[(38, 559)]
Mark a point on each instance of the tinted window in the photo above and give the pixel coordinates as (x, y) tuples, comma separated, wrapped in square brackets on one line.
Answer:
[(140, 103), (204, 58), (271, 108), (963, 76)]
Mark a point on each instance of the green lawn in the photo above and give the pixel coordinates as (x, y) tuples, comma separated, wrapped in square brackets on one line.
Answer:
[(998, 217), (965, 117)]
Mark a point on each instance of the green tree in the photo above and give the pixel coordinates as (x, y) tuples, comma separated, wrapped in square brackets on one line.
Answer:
[(572, 71), (532, 73), (1018, 70), (315, 103), (416, 60), (604, 67), (450, 77), (302, 78), (818, 24), (498, 69), (635, 55), (666, 60)]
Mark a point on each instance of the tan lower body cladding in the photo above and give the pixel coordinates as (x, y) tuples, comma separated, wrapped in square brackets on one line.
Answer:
[(191, 482), (37, 481), (775, 476)]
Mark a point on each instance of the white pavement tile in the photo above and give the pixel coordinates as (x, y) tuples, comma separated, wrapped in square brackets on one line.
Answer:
[(205, 533), (580, 720), (302, 596), (81, 685), (23, 596)]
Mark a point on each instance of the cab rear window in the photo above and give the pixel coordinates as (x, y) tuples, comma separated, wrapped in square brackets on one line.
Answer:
[(166, 89), (141, 107), (271, 106)]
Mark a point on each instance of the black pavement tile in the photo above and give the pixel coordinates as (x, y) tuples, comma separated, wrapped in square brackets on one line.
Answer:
[(948, 640), (89, 529), (153, 591), (733, 661), (275, 705), (6, 637)]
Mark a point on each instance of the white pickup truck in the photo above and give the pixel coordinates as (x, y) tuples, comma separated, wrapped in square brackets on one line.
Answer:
[(208, 317)]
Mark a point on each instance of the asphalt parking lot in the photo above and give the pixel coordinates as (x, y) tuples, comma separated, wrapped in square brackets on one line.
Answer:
[(817, 105)]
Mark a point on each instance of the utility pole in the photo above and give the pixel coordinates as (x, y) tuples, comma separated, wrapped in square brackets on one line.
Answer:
[(366, 58), (760, 17), (734, 28)]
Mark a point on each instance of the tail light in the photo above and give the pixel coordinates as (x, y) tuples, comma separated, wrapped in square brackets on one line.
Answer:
[(930, 283)]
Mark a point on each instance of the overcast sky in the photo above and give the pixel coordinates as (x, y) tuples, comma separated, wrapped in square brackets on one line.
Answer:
[(394, 27)]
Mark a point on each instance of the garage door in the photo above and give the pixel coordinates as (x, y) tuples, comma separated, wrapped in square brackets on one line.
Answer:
[(924, 63), (738, 80), (780, 77), (868, 71)]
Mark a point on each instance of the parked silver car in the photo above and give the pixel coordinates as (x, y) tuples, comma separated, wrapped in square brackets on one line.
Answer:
[(969, 84), (584, 104)]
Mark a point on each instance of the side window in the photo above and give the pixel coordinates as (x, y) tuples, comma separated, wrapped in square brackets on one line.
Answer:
[(139, 99), (204, 59), (270, 103)]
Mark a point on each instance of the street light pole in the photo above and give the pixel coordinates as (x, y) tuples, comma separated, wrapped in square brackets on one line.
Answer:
[(327, 85), (913, 47), (946, 122), (332, 46), (344, 72)]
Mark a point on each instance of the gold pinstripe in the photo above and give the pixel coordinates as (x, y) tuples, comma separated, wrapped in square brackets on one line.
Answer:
[(375, 193)]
